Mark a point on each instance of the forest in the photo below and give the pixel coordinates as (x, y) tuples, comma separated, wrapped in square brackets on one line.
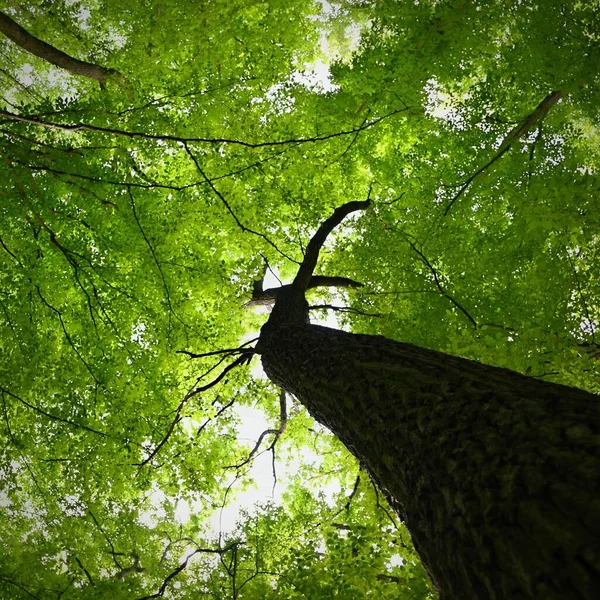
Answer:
[(184, 184)]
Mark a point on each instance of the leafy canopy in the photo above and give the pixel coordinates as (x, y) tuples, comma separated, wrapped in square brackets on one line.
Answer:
[(135, 218)]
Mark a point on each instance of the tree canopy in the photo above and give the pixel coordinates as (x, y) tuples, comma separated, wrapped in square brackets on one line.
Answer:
[(139, 209)]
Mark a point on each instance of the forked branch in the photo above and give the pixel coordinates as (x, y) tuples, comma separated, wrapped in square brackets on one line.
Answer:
[(261, 296), (305, 272), (275, 432)]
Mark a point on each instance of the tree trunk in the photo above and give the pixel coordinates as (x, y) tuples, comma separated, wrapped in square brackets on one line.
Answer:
[(496, 475)]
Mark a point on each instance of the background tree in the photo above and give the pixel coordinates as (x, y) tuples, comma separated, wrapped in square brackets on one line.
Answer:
[(135, 219)]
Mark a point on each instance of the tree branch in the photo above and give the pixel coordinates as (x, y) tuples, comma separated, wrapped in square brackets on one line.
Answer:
[(436, 280), (270, 295), (184, 564), (276, 432), (516, 133), (245, 357), (346, 309), (173, 138), (30, 43), (228, 206), (305, 272), (50, 415), (228, 351)]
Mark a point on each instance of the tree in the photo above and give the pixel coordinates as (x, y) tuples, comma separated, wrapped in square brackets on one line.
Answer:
[(137, 217), (496, 474)]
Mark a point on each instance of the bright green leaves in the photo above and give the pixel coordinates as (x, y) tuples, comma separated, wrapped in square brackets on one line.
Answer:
[(115, 252)]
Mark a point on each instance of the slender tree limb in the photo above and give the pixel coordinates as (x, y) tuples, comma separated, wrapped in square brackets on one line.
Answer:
[(50, 415), (183, 140), (243, 359), (275, 432), (269, 296), (19, 586), (346, 309), (112, 550), (156, 261), (217, 352), (305, 272), (87, 573), (67, 335), (581, 295), (230, 210), (216, 416), (45, 51), (184, 564), (521, 129), (436, 280)]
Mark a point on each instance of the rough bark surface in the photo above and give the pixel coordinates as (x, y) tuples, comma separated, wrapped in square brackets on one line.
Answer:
[(497, 475), (34, 45)]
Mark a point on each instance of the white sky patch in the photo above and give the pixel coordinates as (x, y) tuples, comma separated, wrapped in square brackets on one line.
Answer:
[(395, 561), (441, 104), (316, 77)]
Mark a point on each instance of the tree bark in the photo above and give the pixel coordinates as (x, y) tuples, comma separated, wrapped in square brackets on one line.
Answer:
[(34, 45), (496, 475)]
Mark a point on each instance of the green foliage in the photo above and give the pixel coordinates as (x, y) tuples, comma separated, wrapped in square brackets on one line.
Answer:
[(116, 252)]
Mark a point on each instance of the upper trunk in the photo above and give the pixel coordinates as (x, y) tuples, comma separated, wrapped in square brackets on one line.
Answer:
[(496, 474)]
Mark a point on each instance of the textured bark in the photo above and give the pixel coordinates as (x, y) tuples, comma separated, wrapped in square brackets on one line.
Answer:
[(497, 475), (49, 53)]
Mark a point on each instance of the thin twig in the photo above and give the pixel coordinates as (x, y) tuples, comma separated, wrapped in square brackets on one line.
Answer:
[(439, 285), (230, 210), (173, 138), (244, 358)]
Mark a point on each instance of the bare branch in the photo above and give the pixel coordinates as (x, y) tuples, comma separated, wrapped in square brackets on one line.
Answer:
[(69, 339), (19, 586), (87, 573), (522, 128), (346, 309), (262, 297), (173, 138), (275, 432), (49, 53), (184, 564), (229, 209), (439, 285), (216, 352), (243, 359), (50, 415), (305, 272)]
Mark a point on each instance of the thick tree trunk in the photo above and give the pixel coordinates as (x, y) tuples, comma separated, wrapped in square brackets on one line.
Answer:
[(496, 474)]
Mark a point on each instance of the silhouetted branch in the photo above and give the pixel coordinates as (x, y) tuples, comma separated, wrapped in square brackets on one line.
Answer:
[(305, 272), (69, 339), (183, 140), (243, 359), (230, 210), (439, 285), (217, 352), (275, 432), (50, 415), (346, 309), (49, 53), (19, 586), (184, 564), (87, 573), (522, 128), (269, 296)]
